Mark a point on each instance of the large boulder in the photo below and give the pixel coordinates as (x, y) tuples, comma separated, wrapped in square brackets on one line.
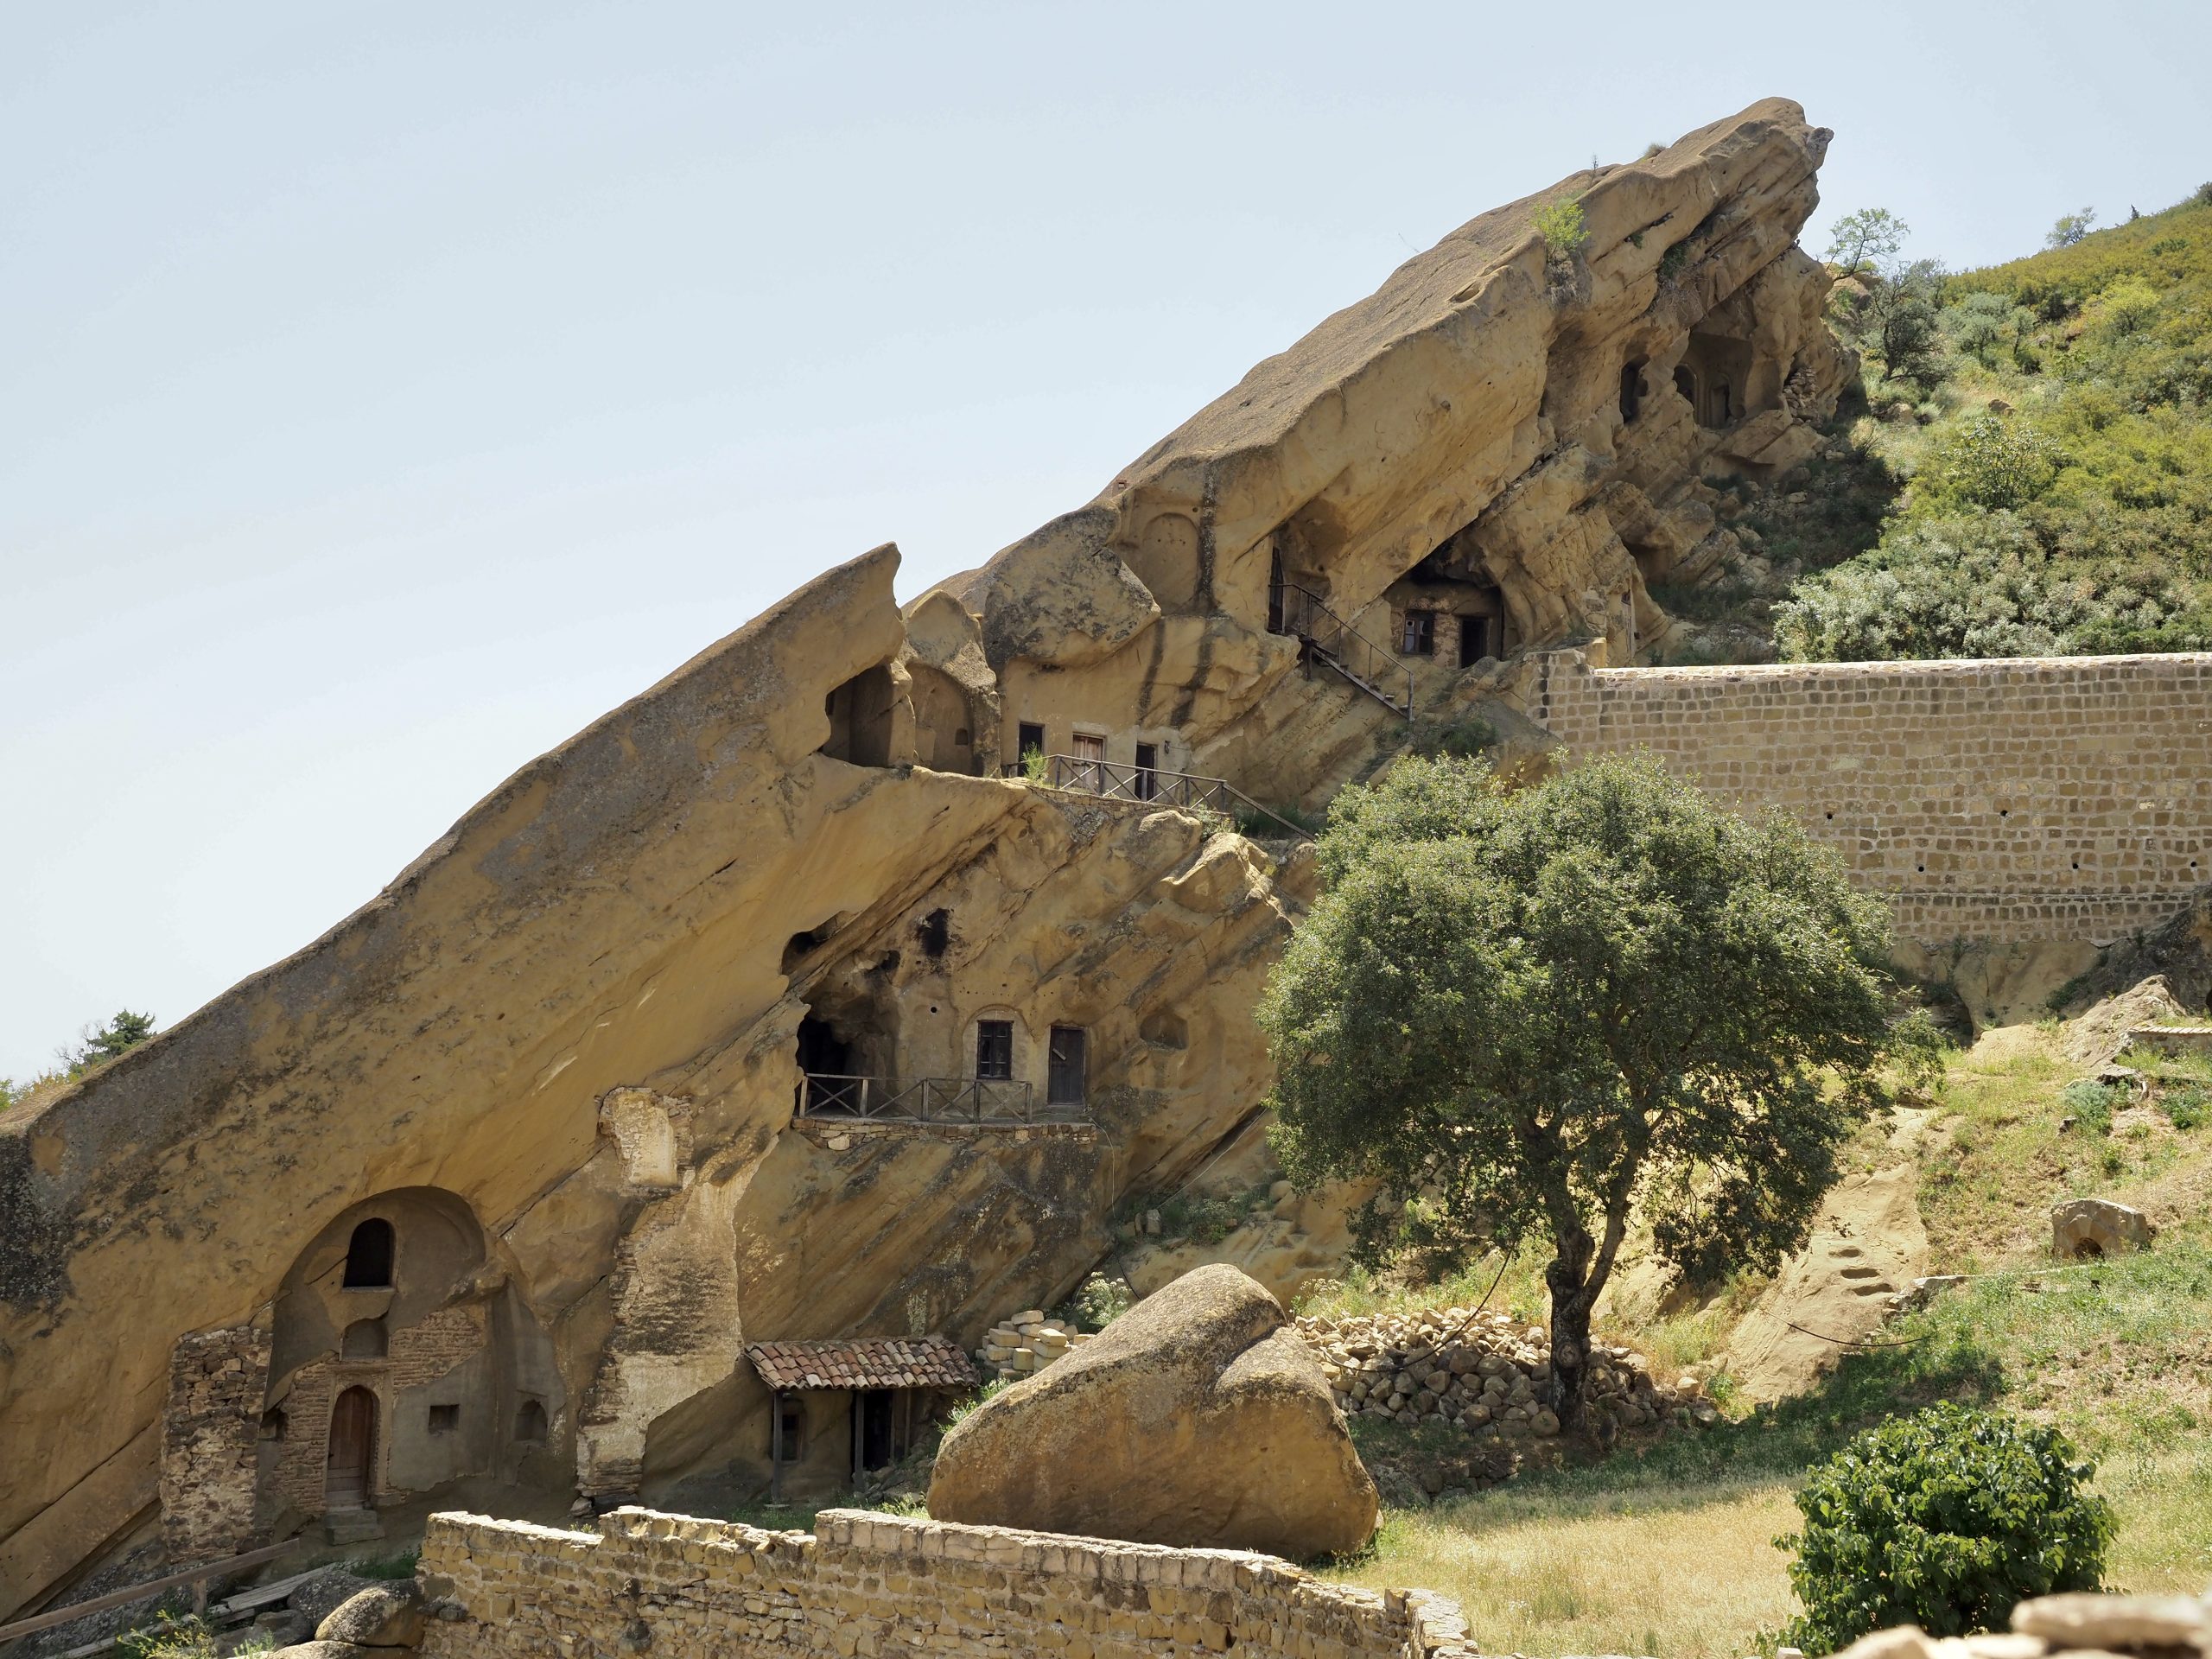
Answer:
[(382, 1616), (1199, 1417)]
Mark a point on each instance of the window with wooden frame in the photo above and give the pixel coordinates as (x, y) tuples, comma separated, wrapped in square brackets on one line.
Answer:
[(994, 1051), (1418, 635)]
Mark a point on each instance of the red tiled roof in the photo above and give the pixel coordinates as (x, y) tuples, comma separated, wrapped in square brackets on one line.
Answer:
[(863, 1362)]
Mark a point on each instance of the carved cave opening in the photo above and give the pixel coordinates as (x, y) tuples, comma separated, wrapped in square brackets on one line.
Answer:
[(860, 713)]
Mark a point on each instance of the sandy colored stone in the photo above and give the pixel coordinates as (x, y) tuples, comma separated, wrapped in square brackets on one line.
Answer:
[(2088, 1620), (1198, 1418), (382, 1616), (1902, 1641), (2097, 1227)]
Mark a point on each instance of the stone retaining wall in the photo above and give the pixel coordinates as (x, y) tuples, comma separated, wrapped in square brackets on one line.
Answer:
[(883, 1585), (2039, 799), (211, 1425)]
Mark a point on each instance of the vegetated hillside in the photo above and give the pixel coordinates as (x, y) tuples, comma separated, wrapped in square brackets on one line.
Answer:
[(1666, 1547), (2028, 470)]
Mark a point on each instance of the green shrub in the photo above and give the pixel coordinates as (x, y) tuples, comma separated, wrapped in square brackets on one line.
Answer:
[(990, 1390), (1988, 462), (1272, 822), (1943, 1519), (1466, 737), (1098, 1301), (2092, 1103), (1559, 223), (2188, 1108), (191, 1637), (399, 1566)]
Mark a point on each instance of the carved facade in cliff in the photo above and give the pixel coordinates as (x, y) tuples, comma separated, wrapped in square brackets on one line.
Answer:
[(562, 1058)]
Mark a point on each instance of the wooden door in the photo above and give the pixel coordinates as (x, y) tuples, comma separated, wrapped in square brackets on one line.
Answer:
[(353, 1449)]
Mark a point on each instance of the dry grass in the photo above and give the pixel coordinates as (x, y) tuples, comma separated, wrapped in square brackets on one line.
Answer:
[(1681, 1573), (1691, 1572), (1673, 1555)]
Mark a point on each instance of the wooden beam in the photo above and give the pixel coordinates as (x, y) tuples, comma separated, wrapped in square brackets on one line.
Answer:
[(117, 1598)]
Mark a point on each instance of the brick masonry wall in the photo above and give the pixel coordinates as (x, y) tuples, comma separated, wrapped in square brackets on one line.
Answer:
[(882, 1585), (2040, 798), (210, 1426), (419, 1353)]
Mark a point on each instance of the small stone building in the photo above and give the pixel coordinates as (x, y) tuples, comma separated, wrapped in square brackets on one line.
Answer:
[(843, 1410)]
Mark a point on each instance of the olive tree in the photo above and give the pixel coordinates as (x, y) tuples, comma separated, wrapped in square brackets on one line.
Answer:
[(1530, 1016)]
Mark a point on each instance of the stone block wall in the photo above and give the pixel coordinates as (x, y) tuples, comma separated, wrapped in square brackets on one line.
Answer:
[(211, 1425), (877, 1584), (2038, 798), (423, 1352)]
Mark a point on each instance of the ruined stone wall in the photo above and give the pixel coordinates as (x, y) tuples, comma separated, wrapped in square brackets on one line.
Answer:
[(210, 1427), (2040, 798), (865, 1583)]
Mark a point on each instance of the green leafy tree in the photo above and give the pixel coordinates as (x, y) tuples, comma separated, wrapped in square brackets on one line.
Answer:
[(1527, 1014), (1944, 1519), (2071, 228), (102, 1043), (1866, 240), (1902, 327)]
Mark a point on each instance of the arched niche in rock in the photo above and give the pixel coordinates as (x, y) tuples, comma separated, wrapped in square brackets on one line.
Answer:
[(434, 1359)]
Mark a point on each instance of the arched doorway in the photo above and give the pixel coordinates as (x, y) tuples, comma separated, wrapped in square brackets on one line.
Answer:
[(353, 1449)]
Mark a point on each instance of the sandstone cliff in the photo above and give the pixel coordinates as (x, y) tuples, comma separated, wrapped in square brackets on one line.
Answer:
[(558, 1060)]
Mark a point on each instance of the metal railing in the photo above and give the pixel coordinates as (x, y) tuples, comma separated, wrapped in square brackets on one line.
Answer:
[(1327, 638), (1152, 785), (930, 1100)]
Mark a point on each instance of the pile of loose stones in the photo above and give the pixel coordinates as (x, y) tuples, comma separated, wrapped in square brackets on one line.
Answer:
[(1485, 1372), (1026, 1344)]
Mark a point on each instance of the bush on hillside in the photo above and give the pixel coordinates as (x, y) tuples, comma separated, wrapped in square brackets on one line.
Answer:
[(1559, 223), (2071, 515), (1944, 1519)]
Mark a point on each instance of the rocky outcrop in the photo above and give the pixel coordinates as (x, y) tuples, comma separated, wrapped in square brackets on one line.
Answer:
[(561, 1056), (1198, 1418)]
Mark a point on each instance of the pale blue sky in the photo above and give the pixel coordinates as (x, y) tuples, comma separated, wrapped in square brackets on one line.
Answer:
[(391, 388)]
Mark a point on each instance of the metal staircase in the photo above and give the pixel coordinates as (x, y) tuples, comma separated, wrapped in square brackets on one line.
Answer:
[(1326, 639)]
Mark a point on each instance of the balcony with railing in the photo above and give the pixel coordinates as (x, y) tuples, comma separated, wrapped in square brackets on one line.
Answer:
[(827, 1097), (1150, 785)]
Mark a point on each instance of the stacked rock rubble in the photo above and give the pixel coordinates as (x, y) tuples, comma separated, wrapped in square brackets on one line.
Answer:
[(1026, 1344), (1485, 1372)]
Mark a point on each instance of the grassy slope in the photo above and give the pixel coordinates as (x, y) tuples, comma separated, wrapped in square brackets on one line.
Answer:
[(1671, 1552)]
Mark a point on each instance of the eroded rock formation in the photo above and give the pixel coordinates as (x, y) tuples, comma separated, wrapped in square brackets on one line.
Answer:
[(487, 1189)]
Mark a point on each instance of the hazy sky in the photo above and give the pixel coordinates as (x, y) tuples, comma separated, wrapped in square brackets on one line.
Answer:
[(390, 389)]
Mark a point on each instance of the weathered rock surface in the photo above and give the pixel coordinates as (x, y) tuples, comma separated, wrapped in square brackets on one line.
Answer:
[(382, 1616), (2094, 1227), (1197, 1418), (563, 1048)]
